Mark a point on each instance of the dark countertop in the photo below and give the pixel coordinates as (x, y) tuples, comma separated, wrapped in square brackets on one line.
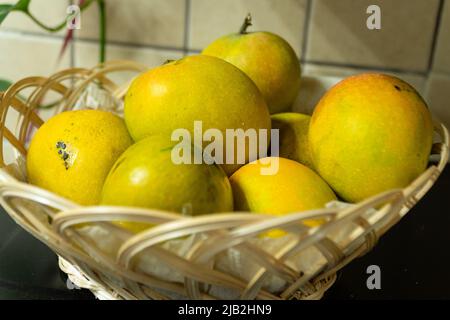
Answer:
[(413, 258)]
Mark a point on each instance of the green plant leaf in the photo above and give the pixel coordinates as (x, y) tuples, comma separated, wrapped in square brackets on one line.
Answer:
[(5, 9), (22, 5), (4, 84)]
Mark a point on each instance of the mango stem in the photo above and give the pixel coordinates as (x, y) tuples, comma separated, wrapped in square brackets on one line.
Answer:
[(247, 23)]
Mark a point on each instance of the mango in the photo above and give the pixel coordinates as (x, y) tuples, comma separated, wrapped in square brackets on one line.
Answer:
[(293, 133), (292, 188), (196, 88), (267, 59), (145, 176), (370, 133), (72, 153)]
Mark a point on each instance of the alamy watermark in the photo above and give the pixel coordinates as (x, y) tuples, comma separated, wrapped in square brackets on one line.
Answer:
[(73, 20), (240, 146), (373, 22), (374, 280)]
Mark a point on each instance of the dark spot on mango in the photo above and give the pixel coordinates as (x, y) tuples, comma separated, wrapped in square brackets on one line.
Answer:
[(397, 88), (63, 153), (60, 145)]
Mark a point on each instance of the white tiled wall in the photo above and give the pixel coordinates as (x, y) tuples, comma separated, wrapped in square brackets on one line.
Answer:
[(25, 55), (338, 33), (143, 22), (329, 36), (210, 19), (442, 56)]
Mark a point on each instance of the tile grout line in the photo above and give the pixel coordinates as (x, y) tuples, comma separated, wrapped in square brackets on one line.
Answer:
[(363, 67), (175, 49), (35, 34), (87, 40), (305, 33), (133, 45), (72, 54), (72, 47), (435, 35), (164, 48), (187, 27)]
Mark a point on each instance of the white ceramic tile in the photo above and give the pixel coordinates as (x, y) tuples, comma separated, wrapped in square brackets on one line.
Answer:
[(438, 96), (24, 56), (149, 22), (211, 19), (87, 53), (442, 55), (338, 33)]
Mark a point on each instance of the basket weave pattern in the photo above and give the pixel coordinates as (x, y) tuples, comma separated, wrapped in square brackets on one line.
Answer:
[(53, 219)]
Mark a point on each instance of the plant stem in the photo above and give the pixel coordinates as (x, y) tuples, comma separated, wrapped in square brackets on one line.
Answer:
[(247, 23), (102, 30), (45, 27)]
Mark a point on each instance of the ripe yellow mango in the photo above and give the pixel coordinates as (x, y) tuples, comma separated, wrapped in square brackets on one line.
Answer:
[(267, 59), (145, 176), (72, 153), (196, 88), (293, 188), (370, 133), (294, 142)]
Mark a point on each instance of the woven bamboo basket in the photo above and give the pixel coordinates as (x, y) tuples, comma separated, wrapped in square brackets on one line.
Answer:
[(221, 255)]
